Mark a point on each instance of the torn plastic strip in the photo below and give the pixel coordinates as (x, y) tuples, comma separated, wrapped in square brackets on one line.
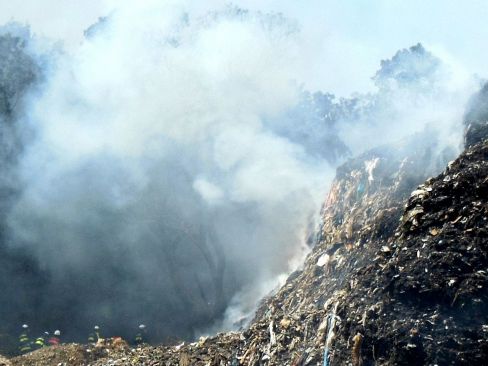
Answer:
[(331, 320)]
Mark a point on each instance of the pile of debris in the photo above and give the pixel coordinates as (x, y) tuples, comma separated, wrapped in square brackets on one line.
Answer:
[(4, 361), (219, 350), (70, 354), (373, 295)]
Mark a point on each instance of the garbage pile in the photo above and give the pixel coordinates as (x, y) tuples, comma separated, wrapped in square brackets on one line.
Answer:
[(422, 299), (4, 361), (360, 217), (70, 354), (219, 350)]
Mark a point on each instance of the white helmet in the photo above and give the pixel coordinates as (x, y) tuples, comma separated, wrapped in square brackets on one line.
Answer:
[(96, 327), (57, 333), (142, 326), (25, 326), (46, 333)]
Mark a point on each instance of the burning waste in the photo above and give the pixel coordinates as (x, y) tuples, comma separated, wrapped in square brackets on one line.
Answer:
[(168, 198)]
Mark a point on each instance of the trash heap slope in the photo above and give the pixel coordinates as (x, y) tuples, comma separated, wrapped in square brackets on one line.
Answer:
[(373, 295), (360, 217)]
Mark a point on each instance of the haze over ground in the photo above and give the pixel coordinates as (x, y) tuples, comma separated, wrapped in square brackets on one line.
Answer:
[(172, 162)]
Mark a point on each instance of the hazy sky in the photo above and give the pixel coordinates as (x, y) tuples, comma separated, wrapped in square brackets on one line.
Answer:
[(347, 38)]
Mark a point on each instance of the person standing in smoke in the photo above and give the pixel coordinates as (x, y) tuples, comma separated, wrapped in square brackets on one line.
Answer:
[(24, 340), (94, 336), (141, 335), (40, 342), (55, 339)]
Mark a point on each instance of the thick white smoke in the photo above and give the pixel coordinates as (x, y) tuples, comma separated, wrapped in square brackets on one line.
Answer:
[(151, 140), (166, 182)]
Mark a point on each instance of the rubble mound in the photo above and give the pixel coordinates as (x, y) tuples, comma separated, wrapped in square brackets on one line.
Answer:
[(397, 278), (370, 295), (360, 217), (4, 361), (423, 299), (219, 350), (70, 354)]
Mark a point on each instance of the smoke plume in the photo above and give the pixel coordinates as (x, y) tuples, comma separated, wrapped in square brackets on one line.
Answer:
[(172, 166)]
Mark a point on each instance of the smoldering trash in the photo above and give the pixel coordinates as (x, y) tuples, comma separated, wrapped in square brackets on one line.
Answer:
[(172, 193)]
